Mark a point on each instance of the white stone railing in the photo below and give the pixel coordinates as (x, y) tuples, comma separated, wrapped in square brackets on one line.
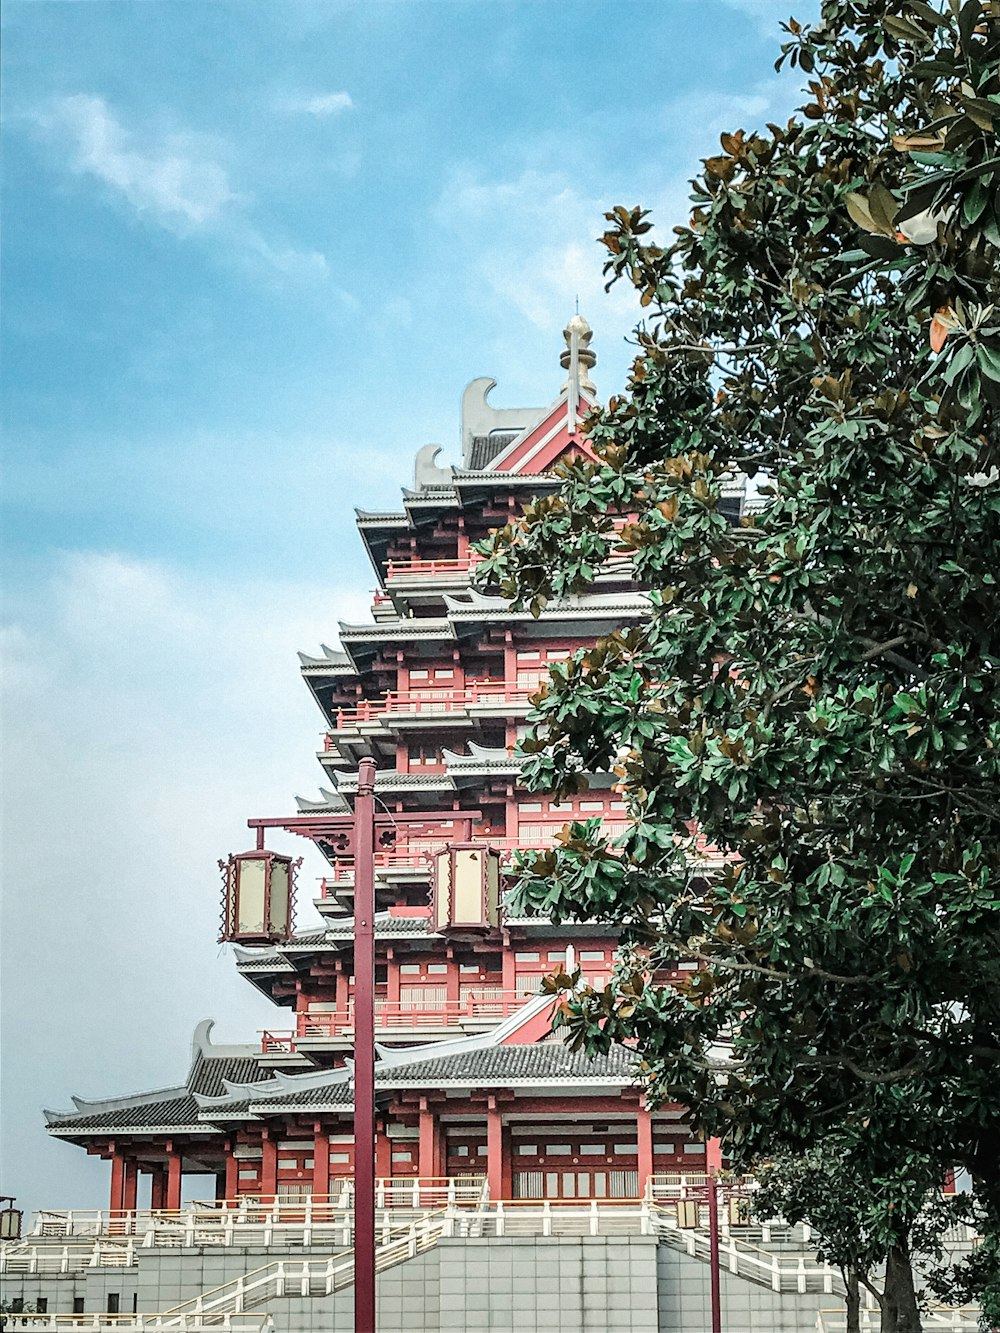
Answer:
[(111, 1323), (316, 1277), (41, 1258), (936, 1319)]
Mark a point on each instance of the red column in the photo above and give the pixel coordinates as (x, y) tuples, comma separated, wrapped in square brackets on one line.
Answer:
[(364, 1049), (321, 1164), (383, 1152), (173, 1180), (269, 1167), (157, 1186), (392, 977), (441, 1149), (232, 1175), (494, 1149), (130, 1184), (713, 1156), (453, 982), (506, 1164), (117, 1202), (341, 997), (508, 966), (644, 1138), (428, 1152)]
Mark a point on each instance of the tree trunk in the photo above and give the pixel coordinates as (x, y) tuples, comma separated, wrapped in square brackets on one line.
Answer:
[(900, 1312), (853, 1300)]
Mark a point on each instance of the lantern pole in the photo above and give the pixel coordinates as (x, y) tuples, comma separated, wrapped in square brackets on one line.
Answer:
[(713, 1250), (364, 1049)]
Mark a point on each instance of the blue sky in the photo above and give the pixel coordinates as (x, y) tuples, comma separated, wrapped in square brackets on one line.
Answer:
[(252, 254)]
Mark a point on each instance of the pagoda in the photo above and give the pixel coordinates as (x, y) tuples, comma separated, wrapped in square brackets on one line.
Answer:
[(473, 1087)]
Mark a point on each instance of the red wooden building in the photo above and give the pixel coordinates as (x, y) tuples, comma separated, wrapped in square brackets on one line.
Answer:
[(472, 1085)]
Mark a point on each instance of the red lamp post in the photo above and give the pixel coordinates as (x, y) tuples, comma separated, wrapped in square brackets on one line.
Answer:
[(364, 1049), (713, 1250)]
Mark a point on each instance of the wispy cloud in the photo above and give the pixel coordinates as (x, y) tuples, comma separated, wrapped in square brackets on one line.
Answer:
[(172, 178), (321, 104)]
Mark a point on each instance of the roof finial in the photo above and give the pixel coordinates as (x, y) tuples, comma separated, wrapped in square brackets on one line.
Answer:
[(579, 358)]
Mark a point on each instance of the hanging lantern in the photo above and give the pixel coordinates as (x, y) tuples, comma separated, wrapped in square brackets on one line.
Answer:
[(257, 903), (467, 887)]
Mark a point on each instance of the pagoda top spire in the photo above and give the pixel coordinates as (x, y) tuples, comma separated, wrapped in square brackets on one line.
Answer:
[(579, 358)]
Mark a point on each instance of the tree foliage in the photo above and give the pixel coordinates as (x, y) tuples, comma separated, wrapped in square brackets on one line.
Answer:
[(815, 693)]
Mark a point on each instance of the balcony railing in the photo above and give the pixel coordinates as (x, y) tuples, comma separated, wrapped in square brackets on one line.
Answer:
[(432, 568), (415, 856), (486, 1004), (442, 699)]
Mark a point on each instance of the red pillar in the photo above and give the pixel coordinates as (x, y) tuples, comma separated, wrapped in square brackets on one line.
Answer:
[(269, 1167), (117, 1202), (453, 981), (232, 1175), (321, 1165), (644, 1138), (506, 1164), (713, 1156), (341, 997), (507, 958), (428, 1151), (173, 1180), (364, 1049), (157, 1186), (494, 1149), (130, 1184), (383, 1152), (392, 977)]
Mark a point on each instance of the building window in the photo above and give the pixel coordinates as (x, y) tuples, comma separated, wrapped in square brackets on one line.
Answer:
[(78, 1305), (592, 1150), (42, 1305), (114, 1301), (527, 957), (591, 955)]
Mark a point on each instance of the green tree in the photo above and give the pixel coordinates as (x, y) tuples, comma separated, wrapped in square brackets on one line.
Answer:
[(856, 1229), (815, 693)]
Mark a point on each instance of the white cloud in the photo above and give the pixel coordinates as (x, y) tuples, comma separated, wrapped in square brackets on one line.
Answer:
[(174, 178), (169, 175), (322, 104), (147, 714)]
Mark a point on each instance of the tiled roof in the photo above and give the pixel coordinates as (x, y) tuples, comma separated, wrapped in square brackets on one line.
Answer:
[(174, 1111), (333, 1094), (506, 1064), (206, 1077), (385, 924)]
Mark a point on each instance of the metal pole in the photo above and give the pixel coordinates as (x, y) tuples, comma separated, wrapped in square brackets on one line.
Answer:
[(364, 1049), (713, 1252)]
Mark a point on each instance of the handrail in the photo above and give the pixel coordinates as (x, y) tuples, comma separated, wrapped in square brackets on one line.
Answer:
[(432, 699), (55, 1319), (391, 1014), (458, 565)]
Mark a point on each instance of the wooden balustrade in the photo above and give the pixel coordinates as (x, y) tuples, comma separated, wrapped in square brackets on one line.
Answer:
[(432, 568), (439, 699), (487, 1003)]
